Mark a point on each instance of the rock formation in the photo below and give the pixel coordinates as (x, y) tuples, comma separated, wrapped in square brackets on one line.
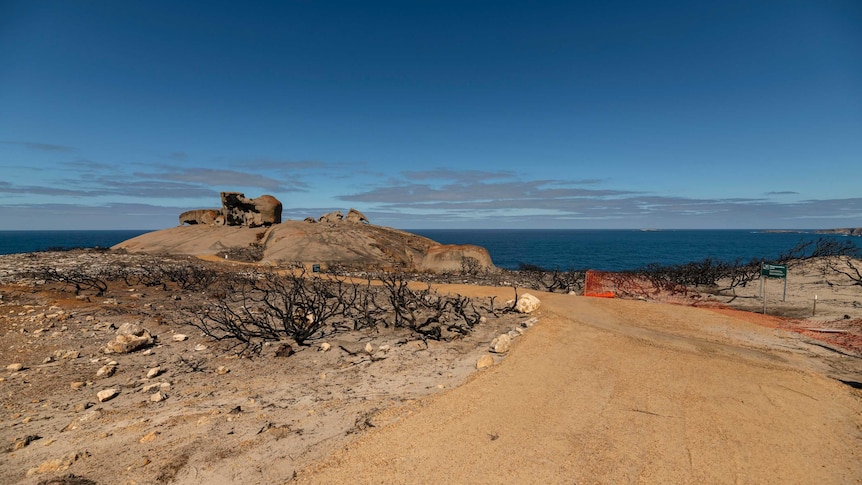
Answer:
[(355, 216), (336, 216), (237, 210), (202, 216), (331, 217), (332, 239), (353, 245), (455, 258), (241, 211)]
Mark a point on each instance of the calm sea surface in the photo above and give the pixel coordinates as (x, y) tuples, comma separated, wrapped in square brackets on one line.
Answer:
[(610, 250), (614, 250), (29, 241)]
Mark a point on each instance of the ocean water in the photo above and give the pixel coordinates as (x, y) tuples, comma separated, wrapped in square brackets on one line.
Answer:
[(616, 250), (610, 250), (30, 241)]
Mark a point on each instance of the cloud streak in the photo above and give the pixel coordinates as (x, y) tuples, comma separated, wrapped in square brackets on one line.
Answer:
[(479, 196), (44, 147), (221, 177)]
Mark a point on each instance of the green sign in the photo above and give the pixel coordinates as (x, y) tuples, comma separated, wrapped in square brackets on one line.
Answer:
[(774, 270)]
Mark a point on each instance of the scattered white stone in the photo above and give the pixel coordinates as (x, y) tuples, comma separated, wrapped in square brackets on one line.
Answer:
[(126, 343), (179, 337), (154, 372), (379, 355), (527, 303), (324, 347), (222, 370), (200, 347), (71, 354), (369, 349), (107, 370), (158, 397), (485, 361), (15, 367), (149, 387), (57, 464), (107, 394), (501, 344), (130, 328), (384, 348)]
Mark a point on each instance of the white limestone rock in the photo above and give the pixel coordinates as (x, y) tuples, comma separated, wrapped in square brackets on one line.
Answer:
[(501, 344), (107, 394), (527, 303), (485, 361)]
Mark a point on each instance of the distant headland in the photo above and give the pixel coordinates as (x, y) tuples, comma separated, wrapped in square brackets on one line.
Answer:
[(841, 231)]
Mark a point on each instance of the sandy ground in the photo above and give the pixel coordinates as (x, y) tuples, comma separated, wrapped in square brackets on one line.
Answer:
[(597, 391), (610, 391)]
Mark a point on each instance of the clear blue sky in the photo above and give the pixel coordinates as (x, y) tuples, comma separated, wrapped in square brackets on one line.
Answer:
[(434, 114)]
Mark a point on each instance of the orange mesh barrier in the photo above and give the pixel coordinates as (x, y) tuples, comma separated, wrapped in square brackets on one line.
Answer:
[(606, 284), (597, 284)]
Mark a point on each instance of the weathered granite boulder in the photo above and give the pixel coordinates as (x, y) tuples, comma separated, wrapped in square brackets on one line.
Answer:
[(331, 217), (237, 210), (201, 216), (242, 211), (355, 216), (456, 258)]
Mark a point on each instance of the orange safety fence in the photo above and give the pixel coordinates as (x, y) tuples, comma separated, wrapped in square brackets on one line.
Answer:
[(597, 284), (607, 284)]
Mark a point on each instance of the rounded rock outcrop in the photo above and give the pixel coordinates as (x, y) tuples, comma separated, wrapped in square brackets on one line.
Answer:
[(455, 258)]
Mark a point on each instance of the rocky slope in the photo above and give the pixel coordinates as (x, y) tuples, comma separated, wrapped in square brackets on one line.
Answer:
[(343, 243)]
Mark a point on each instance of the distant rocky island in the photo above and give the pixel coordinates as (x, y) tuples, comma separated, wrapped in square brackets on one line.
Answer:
[(846, 231), (842, 231), (251, 230)]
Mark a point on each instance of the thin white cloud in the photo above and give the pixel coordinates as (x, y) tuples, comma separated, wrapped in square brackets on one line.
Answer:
[(476, 197), (221, 177), (45, 147)]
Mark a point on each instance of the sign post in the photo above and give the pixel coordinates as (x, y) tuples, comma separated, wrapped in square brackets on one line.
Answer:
[(773, 271)]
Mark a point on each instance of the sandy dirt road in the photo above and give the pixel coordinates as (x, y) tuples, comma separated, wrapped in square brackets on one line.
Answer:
[(609, 391)]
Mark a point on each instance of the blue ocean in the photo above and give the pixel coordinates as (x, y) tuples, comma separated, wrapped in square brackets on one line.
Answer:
[(610, 250), (30, 241), (617, 250)]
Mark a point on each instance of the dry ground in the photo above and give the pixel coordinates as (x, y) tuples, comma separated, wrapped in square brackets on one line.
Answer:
[(598, 391)]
